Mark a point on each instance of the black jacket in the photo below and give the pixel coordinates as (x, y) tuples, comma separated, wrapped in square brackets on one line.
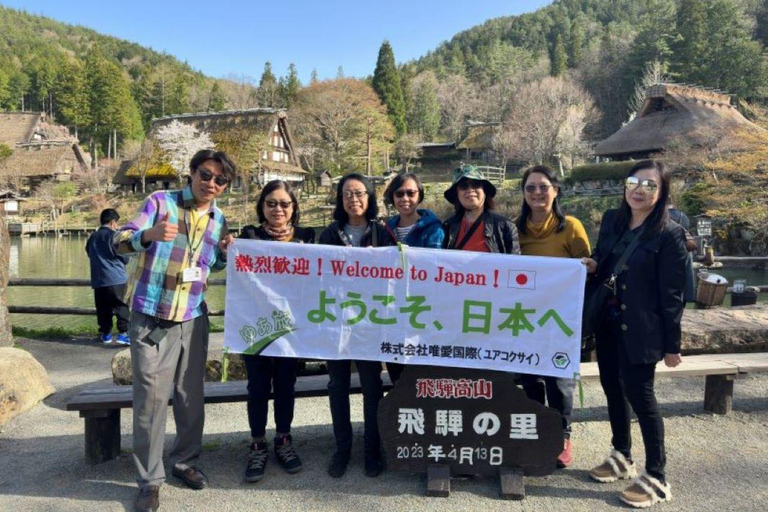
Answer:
[(649, 290), (332, 235), (500, 233), (300, 235)]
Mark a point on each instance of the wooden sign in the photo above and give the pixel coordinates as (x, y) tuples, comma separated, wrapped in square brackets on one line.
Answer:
[(475, 422)]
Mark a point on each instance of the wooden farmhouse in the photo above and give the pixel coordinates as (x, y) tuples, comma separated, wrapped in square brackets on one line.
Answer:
[(477, 146), (258, 140), (674, 114), (40, 151)]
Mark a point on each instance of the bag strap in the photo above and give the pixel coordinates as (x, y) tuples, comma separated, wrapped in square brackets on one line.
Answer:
[(624, 257), (469, 233)]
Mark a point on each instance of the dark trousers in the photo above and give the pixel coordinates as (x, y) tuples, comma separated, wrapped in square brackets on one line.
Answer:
[(557, 392), (270, 374), (626, 384), (394, 370), (340, 372), (109, 301)]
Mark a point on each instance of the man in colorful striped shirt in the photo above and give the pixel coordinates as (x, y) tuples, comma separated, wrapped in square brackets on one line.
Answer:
[(179, 236)]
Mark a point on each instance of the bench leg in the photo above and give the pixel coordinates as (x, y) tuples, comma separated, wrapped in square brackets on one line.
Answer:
[(512, 487), (102, 435), (718, 393), (438, 481)]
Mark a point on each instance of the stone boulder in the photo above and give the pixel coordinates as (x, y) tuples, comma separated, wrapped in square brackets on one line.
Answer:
[(122, 373), (23, 382), (725, 330)]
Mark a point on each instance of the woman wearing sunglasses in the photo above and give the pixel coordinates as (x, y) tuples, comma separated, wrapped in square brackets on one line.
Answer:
[(278, 214), (355, 225), (642, 325), (545, 231), (474, 227), (412, 225)]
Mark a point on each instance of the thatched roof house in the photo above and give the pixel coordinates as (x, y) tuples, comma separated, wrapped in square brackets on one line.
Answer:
[(478, 143), (672, 113), (34, 162), (19, 127), (258, 140)]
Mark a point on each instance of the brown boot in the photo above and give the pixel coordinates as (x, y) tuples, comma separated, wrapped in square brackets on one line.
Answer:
[(646, 491), (148, 499), (615, 467)]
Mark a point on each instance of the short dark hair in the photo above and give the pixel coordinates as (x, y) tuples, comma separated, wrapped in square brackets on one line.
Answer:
[(227, 165), (525, 210), (397, 182), (339, 214), (268, 189), (108, 215), (659, 216)]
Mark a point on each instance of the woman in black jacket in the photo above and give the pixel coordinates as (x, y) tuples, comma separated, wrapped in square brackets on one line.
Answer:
[(474, 227), (278, 214), (355, 226), (642, 325)]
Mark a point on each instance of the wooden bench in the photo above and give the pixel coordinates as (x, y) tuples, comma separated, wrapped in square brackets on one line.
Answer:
[(100, 408), (719, 371)]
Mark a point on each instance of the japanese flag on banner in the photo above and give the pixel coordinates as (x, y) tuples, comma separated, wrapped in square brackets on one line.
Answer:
[(524, 279)]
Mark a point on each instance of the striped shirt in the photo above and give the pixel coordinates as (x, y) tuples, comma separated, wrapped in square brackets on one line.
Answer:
[(155, 285)]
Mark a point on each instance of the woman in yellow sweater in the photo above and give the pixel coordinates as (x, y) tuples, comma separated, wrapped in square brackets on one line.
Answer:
[(545, 231)]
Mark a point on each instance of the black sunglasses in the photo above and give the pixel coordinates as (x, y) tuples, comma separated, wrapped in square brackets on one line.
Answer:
[(402, 193), (207, 175)]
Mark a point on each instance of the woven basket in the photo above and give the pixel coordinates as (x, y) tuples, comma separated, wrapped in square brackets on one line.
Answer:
[(710, 295)]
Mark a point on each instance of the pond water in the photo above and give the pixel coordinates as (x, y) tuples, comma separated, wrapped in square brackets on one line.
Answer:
[(64, 257)]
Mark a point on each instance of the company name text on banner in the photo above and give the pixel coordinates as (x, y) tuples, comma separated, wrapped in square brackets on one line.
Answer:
[(412, 306)]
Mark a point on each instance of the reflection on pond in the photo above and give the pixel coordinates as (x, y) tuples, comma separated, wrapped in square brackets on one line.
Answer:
[(52, 257)]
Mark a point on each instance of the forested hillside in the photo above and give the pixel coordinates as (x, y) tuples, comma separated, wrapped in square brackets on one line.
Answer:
[(606, 47)]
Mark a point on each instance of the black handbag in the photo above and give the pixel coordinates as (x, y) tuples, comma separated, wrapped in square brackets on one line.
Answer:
[(597, 292)]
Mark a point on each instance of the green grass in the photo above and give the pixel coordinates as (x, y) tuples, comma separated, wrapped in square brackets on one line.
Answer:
[(211, 446)]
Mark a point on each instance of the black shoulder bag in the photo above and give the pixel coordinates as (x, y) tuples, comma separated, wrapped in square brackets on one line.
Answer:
[(596, 293)]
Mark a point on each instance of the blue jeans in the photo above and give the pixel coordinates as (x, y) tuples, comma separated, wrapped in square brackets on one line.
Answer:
[(265, 374)]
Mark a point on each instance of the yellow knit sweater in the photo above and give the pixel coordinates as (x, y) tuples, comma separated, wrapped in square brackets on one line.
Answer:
[(543, 240)]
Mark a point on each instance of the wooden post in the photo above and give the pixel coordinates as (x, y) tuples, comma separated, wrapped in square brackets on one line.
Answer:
[(718, 393), (102, 435), (512, 487), (438, 481)]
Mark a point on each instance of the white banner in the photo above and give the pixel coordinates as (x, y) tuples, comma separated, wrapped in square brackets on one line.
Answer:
[(415, 306)]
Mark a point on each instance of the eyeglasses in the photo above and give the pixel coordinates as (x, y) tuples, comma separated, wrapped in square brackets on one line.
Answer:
[(467, 184), (358, 194), (207, 175), (282, 204), (633, 182), (543, 188), (402, 193)]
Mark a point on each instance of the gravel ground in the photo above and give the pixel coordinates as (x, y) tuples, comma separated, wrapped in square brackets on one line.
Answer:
[(715, 463)]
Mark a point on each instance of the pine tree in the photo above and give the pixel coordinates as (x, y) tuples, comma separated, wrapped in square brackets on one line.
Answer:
[(691, 50), (313, 77), (72, 95), (177, 101), (425, 118), (559, 58), (267, 95), (575, 45), (386, 83), (290, 86), (216, 100)]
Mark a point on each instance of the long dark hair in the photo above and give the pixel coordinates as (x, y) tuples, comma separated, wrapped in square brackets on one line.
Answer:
[(339, 214), (658, 218), (525, 210), (268, 189), (397, 182)]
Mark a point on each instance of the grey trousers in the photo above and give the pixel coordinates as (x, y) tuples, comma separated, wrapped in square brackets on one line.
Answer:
[(161, 364)]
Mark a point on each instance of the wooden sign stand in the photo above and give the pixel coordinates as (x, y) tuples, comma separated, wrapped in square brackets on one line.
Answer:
[(458, 421)]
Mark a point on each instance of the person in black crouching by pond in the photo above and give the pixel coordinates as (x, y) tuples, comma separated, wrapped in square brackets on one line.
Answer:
[(278, 214), (355, 225), (642, 325)]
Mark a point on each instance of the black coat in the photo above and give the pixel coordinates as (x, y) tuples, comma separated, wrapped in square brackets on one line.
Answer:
[(332, 235), (300, 235), (500, 233), (649, 290)]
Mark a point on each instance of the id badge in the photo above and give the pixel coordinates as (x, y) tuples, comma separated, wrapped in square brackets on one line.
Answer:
[(192, 275)]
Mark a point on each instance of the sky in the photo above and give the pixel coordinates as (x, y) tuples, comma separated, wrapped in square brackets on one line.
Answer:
[(236, 37)]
